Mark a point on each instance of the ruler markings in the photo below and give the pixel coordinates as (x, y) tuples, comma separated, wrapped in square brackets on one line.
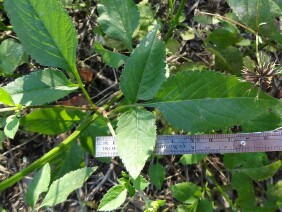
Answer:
[(205, 143)]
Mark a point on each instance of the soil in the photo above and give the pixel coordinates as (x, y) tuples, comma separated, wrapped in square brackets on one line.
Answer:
[(102, 82)]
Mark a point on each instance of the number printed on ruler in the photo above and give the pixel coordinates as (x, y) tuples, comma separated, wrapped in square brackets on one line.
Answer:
[(207, 143)]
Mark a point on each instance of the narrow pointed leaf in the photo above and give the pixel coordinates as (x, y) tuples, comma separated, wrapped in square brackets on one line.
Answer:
[(261, 173), (45, 30), (5, 97), (38, 185), (119, 19), (202, 101), (40, 87), (61, 188), (136, 136), (113, 198), (51, 121), (144, 71)]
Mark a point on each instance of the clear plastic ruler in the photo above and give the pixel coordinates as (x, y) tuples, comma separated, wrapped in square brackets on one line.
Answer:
[(202, 144)]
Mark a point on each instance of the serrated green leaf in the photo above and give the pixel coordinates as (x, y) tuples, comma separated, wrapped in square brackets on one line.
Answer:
[(51, 121), (113, 198), (259, 14), (5, 97), (267, 121), (223, 38), (144, 72), (274, 194), (11, 56), (119, 19), (245, 160), (72, 160), (227, 59), (140, 183), (186, 192), (201, 101), (61, 188), (260, 173), (112, 59), (40, 87), (157, 175), (12, 125), (204, 205), (244, 187), (88, 136), (38, 185), (189, 159), (136, 137), (45, 30)]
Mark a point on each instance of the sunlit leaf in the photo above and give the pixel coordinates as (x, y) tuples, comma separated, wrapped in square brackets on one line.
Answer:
[(45, 30)]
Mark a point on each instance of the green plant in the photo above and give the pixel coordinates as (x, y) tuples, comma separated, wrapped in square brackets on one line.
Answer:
[(191, 101)]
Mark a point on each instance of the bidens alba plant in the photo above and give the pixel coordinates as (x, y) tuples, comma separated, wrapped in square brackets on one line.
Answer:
[(192, 101)]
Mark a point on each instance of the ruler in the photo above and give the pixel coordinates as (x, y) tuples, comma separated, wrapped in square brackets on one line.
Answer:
[(202, 144)]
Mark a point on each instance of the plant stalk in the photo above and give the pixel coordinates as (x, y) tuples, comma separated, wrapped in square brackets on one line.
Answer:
[(49, 155), (210, 175), (175, 20)]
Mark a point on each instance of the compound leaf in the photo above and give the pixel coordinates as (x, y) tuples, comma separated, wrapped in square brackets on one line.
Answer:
[(144, 71), (136, 136), (5, 97), (40, 87), (201, 101), (119, 19), (38, 185), (11, 56), (45, 30), (61, 188), (113, 198), (51, 121)]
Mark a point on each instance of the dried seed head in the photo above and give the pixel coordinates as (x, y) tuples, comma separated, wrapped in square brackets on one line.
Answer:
[(261, 76)]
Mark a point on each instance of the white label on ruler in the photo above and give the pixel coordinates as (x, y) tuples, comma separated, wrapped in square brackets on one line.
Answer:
[(195, 144)]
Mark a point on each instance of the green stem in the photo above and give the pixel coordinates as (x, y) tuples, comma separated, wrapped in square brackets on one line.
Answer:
[(175, 20), (53, 152), (2, 110), (229, 20), (170, 4), (49, 155), (81, 85), (210, 175)]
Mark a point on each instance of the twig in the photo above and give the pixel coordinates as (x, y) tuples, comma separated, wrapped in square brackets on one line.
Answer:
[(105, 178)]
